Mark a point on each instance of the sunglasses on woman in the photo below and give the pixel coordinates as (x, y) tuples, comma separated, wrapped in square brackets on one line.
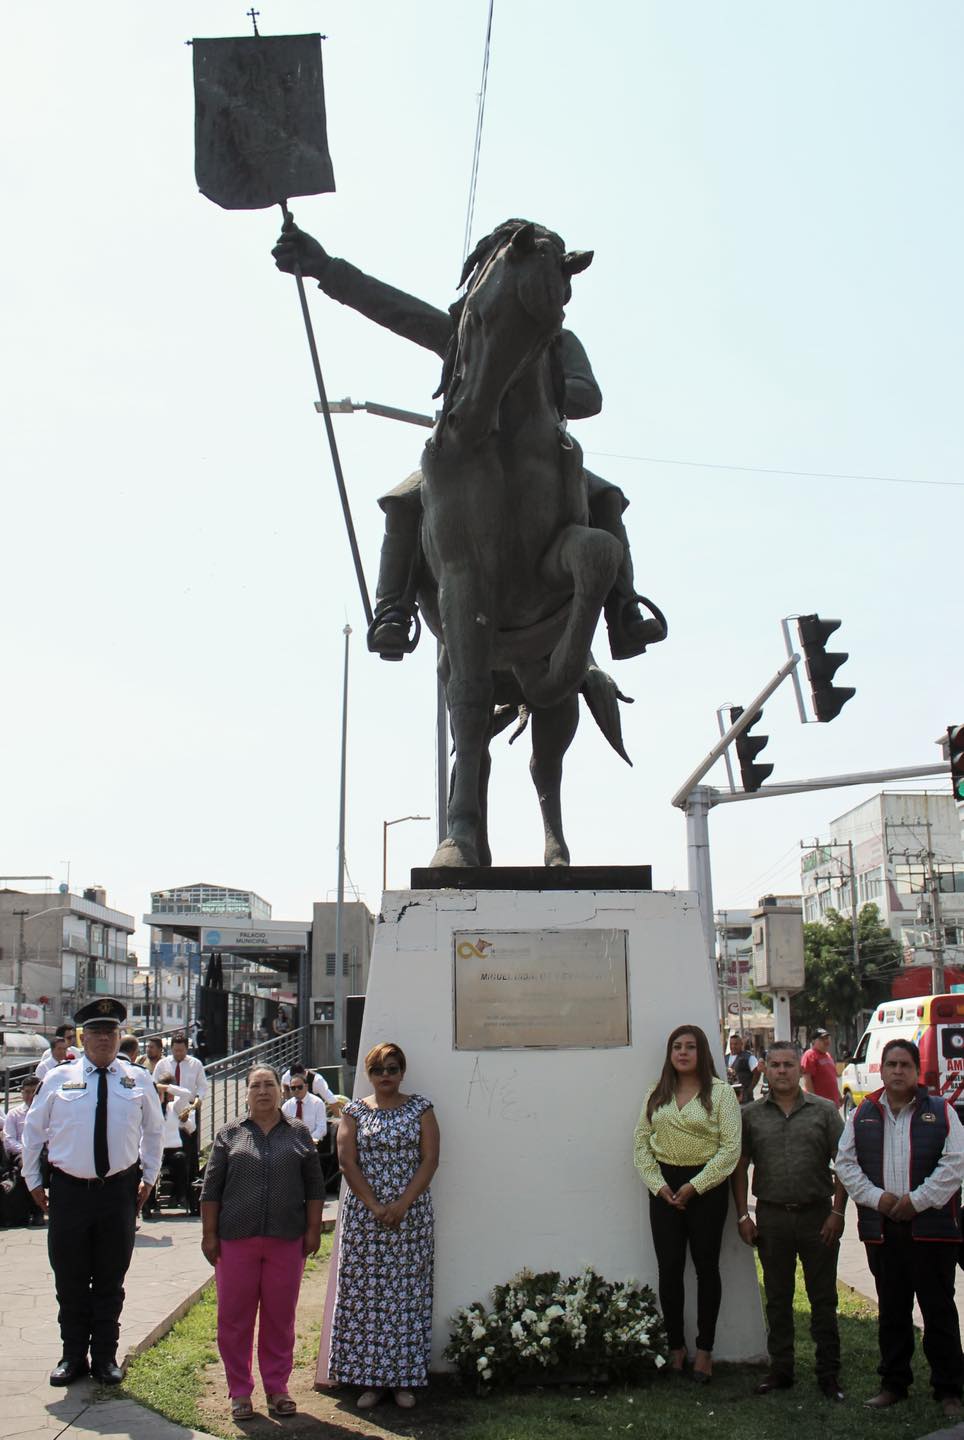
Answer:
[(384, 1069)]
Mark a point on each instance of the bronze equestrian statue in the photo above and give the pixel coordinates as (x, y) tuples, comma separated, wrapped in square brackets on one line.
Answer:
[(502, 539)]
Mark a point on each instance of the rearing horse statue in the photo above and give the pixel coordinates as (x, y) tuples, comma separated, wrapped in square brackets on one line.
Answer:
[(515, 577), (502, 539)]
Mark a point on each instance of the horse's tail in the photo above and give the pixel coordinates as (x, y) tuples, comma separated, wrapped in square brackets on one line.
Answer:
[(602, 695)]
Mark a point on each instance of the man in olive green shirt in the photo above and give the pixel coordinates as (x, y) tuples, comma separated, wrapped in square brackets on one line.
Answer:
[(791, 1138)]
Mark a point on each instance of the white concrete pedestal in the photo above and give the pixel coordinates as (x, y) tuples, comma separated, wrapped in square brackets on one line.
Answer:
[(537, 1145)]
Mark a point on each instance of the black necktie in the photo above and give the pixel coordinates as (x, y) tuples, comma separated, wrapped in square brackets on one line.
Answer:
[(101, 1157)]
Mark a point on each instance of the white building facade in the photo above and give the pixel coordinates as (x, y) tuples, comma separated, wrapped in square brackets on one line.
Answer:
[(903, 853)]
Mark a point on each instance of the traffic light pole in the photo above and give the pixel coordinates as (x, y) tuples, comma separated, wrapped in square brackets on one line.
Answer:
[(698, 870), (743, 722), (697, 802)]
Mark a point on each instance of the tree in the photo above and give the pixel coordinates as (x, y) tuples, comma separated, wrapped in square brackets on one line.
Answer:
[(836, 990)]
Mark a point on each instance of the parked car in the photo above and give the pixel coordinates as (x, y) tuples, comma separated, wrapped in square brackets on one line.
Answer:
[(936, 1025)]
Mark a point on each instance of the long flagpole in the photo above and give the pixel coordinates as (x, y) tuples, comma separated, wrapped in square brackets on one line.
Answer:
[(329, 427), (338, 1028)]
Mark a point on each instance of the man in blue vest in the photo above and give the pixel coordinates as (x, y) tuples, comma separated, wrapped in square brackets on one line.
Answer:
[(901, 1160)]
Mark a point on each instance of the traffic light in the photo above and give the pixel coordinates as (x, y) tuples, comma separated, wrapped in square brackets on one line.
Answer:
[(955, 753), (822, 665), (748, 748)]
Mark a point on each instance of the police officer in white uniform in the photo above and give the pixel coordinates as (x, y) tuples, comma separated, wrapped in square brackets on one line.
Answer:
[(101, 1122)]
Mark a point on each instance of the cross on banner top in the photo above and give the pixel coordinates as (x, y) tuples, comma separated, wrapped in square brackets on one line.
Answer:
[(253, 14)]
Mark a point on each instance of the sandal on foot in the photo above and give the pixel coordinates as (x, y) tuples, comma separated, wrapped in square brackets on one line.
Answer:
[(368, 1399), (404, 1399), (241, 1407), (281, 1404)]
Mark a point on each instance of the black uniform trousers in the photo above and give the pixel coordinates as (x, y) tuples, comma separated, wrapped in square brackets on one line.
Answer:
[(90, 1240), (902, 1268), (699, 1226)]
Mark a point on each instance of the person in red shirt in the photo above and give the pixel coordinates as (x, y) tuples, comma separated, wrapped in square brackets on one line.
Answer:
[(819, 1069)]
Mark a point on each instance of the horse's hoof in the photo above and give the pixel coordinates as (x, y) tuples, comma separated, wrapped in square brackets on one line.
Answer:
[(454, 855)]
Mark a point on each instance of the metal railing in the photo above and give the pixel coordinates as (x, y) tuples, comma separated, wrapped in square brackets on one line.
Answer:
[(227, 1079)]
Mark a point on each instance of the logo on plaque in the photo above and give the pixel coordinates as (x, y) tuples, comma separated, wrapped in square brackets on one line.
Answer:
[(540, 990)]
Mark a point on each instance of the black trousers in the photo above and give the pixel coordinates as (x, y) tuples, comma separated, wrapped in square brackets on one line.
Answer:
[(782, 1235), (700, 1226), (902, 1268), (189, 1142), (90, 1240)]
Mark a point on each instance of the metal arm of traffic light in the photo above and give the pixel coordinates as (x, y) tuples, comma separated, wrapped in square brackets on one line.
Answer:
[(824, 782), (737, 728)]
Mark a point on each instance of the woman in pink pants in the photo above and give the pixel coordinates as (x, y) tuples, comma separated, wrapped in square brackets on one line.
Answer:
[(261, 1215)]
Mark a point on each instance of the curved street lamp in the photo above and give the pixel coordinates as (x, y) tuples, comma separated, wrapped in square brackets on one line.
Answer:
[(385, 825)]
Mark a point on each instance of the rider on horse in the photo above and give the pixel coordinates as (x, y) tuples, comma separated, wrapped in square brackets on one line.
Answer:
[(390, 634)]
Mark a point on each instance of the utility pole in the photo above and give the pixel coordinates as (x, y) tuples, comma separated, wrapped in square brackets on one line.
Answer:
[(854, 927), (721, 962), (21, 957), (937, 951)]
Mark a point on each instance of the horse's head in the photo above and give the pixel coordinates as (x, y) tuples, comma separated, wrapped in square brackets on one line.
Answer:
[(512, 310)]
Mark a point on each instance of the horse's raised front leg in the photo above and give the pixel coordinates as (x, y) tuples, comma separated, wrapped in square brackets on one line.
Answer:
[(588, 560), (466, 615), (552, 732)]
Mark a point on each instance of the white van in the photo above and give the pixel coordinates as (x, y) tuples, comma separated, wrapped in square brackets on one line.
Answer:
[(936, 1025)]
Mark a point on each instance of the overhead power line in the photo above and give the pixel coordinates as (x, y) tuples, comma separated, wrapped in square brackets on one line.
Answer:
[(773, 470), (477, 145)]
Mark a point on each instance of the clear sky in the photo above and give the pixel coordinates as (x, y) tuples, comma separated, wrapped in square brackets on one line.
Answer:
[(773, 196)]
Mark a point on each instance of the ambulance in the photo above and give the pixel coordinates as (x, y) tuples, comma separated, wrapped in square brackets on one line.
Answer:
[(936, 1025)]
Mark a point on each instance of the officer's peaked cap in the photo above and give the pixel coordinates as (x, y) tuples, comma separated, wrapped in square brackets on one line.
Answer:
[(105, 1010)]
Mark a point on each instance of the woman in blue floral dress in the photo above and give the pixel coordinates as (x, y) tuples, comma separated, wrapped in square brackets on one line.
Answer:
[(388, 1146)]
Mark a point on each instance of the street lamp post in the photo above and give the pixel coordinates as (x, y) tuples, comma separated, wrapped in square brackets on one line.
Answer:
[(385, 825)]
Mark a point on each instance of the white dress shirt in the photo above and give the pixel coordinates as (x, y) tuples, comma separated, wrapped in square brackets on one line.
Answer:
[(48, 1063), (943, 1182), (319, 1086), (62, 1117), (191, 1076), (13, 1130), (314, 1114), (179, 1097)]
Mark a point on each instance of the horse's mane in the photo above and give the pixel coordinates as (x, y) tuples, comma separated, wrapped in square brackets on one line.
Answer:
[(474, 264)]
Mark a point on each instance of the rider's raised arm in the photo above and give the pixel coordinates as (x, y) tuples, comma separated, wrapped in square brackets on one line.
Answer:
[(407, 316), (583, 395)]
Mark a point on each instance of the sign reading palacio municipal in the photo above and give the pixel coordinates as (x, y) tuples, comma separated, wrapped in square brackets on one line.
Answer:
[(549, 989)]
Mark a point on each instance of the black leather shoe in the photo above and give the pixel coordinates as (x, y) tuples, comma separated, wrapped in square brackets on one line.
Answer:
[(831, 1387), (105, 1372), (772, 1382), (884, 1399), (67, 1371)]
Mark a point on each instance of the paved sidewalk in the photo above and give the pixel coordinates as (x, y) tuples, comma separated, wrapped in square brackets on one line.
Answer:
[(167, 1274)]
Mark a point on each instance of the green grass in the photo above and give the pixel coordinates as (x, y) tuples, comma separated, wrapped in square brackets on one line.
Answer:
[(168, 1378)]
